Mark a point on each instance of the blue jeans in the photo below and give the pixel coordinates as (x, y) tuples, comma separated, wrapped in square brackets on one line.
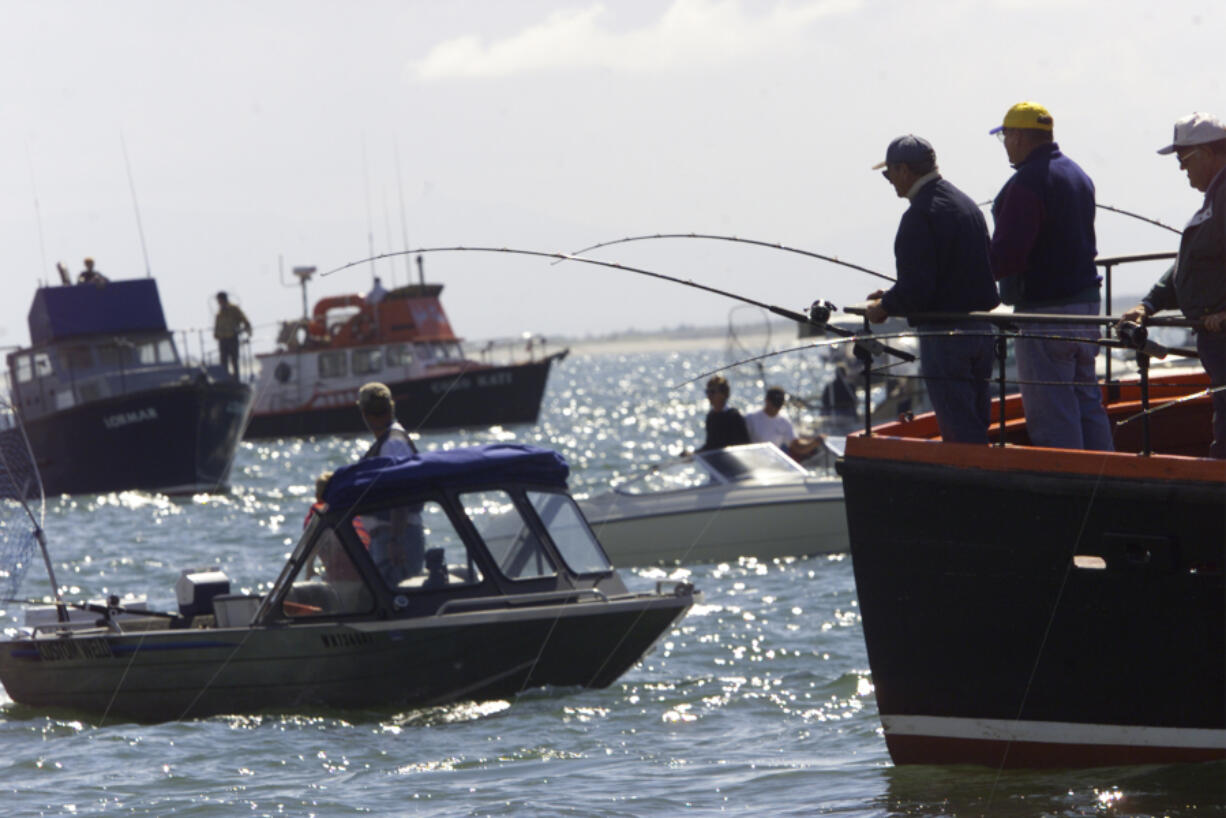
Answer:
[(956, 370), (1212, 350), (1060, 393)]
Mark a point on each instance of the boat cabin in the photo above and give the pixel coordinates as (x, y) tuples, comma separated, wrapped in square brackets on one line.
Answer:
[(90, 343), (464, 529)]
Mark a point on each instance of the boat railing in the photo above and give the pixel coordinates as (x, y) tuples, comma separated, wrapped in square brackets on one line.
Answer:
[(511, 600), (1130, 336)]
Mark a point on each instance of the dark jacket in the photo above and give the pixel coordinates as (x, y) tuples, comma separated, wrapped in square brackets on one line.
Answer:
[(725, 428), (1196, 282), (1044, 246), (941, 252)]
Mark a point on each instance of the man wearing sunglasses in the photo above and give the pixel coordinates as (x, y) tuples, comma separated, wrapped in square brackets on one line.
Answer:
[(1043, 250), (1196, 282)]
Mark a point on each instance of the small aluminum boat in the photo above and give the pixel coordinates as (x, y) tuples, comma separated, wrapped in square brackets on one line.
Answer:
[(457, 575)]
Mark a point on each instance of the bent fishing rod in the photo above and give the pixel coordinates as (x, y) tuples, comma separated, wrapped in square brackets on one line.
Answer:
[(1118, 210), (819, 311), (739, 240)]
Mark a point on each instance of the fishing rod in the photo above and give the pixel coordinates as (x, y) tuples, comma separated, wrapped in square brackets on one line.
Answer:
[(818, 315), (1118, 210), (738, 239)]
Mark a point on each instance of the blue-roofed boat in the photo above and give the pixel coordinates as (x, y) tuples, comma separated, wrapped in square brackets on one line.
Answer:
[(458, 575), (107, 402)]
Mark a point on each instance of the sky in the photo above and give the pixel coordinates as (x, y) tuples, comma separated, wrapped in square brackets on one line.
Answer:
[(218, 144)]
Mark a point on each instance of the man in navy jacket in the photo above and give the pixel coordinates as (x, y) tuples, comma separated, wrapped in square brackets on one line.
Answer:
[(1043, 253), (941, 253)]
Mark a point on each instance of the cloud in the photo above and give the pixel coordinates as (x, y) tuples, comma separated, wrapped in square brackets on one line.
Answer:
[(690, 35)]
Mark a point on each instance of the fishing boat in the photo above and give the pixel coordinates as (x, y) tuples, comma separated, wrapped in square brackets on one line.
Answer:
[(107, 402), (466, 574), (1034, 607), (714, 506), (308, 385)]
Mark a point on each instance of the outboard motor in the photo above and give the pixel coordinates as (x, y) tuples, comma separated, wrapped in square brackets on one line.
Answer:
[(196, 588)]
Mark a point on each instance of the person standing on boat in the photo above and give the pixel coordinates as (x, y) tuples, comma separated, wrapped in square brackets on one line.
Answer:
[(725, 426), (377, 292), (1043, 251), (229, 323), (91, 276), (769, 425), (1196, 282), (397, 540), (941, 253)]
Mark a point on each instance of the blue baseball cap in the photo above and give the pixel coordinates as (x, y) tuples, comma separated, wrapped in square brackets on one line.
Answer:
[(909, 149)]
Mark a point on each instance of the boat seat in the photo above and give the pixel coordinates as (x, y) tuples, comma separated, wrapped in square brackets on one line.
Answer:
[(311, 599)]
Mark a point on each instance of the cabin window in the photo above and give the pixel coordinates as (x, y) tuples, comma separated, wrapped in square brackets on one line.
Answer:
[(399, 355), (116, 355), (569, 532), (417, 547), (366, 361), (332, 364), (24, 368), (42, 364), (513, 545), (147, 354), (328, 583), (77, 358), (166, 352), (423, 352)]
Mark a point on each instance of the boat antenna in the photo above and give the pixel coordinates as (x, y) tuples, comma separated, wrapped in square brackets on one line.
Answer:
[(370, 222), (818, 313), (404, 220), (140, 230), (38, 213), (21, 481), (738, 239)]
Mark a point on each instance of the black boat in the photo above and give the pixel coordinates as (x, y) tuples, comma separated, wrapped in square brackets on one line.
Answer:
[(1033, 607), (309, 384), (501, 587), (109, 405)]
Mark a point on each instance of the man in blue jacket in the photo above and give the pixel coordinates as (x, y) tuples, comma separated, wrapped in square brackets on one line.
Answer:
[(1043, 252), (941, 254)]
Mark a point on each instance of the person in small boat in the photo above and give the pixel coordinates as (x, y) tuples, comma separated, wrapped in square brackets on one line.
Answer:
[(397, 539), (1043, 251), (332, 557), (91, 276), (839, 396), (941, 254), (770, 425), (725, 426), (1196, 282), (230, 321)]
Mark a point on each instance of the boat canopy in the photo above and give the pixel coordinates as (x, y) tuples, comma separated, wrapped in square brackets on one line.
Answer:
[(385, 478), (117, 307)]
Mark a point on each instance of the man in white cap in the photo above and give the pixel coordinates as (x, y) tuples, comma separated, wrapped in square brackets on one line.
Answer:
[(397, 538), (941, 254), (1043, 251), (1196, 282)]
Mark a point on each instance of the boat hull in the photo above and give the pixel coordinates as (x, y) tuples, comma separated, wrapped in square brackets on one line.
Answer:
[(176, 439), (1029, 608), (500, 395), (168, 675), (720, 524)]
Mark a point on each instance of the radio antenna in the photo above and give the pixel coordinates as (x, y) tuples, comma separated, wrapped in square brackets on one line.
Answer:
[(140, 230)]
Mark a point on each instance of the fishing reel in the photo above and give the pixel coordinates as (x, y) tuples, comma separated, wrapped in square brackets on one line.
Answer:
[(820, 312), (1137, 336)]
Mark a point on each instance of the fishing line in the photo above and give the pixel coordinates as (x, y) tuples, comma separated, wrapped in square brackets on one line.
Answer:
[(738, 239), (1118, 210)]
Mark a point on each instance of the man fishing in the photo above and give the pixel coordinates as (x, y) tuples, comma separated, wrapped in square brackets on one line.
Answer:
[(941, 252)]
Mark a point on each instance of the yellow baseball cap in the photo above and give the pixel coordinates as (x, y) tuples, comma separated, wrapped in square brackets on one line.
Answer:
[(1030, 115)]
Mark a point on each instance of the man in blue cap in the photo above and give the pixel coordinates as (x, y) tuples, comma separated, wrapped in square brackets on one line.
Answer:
[(1043, 252), (941, 254)]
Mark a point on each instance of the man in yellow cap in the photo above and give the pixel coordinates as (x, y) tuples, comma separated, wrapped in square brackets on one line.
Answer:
[(1043, 250)]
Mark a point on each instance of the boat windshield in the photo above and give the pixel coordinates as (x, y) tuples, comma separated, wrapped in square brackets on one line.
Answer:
[(417, 547), (328, 583), (566, 527), (511, 542), (761, 461)]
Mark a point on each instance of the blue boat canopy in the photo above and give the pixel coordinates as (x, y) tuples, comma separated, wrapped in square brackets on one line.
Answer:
[(385, 478), (86, 309)]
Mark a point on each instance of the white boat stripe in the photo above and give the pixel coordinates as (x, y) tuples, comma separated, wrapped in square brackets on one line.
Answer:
[(1054, 732)]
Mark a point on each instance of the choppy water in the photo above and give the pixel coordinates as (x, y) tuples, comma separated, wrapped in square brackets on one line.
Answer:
[(760, 702)]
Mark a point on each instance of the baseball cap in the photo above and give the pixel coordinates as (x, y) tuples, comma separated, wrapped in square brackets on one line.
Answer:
[(1030, 115), (375, 398), (907, 149), (776, 395), (1195, 129)]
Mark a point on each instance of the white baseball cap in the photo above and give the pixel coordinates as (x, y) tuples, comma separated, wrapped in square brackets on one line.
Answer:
[(1196, 129)]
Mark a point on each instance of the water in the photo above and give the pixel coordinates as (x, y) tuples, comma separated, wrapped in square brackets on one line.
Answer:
[(759, 702)]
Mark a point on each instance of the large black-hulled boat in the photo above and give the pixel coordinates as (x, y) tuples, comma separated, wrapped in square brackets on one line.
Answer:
[(109, 405), (1032, 607)]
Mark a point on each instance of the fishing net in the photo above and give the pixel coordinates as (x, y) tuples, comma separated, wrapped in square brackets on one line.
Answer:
[(21, 503)]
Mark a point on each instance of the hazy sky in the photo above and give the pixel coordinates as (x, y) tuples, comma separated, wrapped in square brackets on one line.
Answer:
[(261, 131)]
